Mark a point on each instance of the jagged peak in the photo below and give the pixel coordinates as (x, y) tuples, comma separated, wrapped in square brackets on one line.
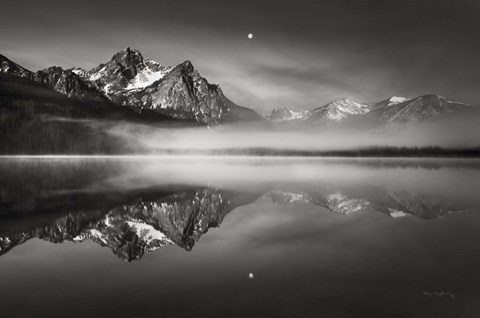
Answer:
[(60, 70), (128, 51), (187, 63), (128, 57), (186, 66), (73, 69), (53, 68)]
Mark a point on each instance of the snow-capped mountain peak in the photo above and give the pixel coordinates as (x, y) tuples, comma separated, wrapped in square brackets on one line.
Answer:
[(389, 102), (281, 114), (392, 113), (179, 92), (339, 110), (126, 70)]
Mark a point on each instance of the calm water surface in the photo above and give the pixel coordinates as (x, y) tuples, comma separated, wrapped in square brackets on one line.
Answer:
[(178, 237)]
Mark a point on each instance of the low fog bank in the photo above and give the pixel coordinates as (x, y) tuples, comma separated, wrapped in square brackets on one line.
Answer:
[(456, 132)]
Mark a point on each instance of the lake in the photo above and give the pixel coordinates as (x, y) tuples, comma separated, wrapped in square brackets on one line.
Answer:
[(239, 237)]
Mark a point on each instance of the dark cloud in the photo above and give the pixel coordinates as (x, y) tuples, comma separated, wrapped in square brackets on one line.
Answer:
[(303, 53)]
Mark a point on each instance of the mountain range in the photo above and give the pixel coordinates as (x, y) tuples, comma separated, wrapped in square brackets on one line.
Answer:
[(132, 88), (128, 79), (392, 113)]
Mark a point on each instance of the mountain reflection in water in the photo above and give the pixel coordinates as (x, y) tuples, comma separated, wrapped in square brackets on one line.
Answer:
[(134, 206)]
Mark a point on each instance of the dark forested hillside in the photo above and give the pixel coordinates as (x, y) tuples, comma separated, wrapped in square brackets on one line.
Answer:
[(35, 119)]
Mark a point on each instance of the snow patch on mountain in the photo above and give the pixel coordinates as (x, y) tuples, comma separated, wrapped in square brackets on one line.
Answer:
[(95, 75), (148, 76), (394, 100)]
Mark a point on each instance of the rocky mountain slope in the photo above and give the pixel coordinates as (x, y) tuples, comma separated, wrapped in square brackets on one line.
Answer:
[(68, 83), (180, 92), (13, 69), (132, 81), (410, 112), (36, 119)]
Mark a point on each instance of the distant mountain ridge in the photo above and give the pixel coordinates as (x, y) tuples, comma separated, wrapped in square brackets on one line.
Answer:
[(392, 113), (423, 108), (335, 111)]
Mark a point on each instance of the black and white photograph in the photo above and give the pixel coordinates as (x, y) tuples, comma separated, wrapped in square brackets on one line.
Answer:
[(240, 158)]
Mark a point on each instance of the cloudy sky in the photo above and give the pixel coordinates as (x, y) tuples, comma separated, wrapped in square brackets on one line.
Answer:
[(304, 53)]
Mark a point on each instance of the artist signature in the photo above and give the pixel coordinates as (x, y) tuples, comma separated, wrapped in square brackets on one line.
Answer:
[(438, 294)]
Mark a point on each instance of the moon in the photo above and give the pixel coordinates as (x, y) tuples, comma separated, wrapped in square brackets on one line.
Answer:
[(250, 275), (250, 35)]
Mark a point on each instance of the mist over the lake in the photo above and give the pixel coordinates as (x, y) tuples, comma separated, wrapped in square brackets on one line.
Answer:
[(451, 132)]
